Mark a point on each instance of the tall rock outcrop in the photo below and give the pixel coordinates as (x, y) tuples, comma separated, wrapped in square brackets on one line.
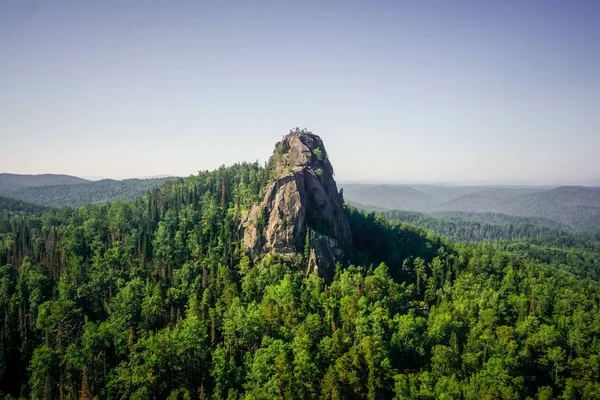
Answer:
[(302, 211)]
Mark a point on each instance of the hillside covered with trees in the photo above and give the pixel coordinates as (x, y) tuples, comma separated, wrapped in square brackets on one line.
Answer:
[(69, 193), (12, 206), (158, 298), (577, 207), (476, 227), (12, 182)]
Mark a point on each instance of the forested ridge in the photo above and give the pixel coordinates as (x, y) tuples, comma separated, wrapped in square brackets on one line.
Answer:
[(75, 194), (156, 298), (12, 182), (476, 227), (576, 207)]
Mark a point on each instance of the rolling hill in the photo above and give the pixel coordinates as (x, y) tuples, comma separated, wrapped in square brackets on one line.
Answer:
[(12, 182), (77, 195), (51, 190), (577, 207), (390, 197)]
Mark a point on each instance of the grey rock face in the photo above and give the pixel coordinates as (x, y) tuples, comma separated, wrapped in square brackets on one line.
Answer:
[(303, 197)]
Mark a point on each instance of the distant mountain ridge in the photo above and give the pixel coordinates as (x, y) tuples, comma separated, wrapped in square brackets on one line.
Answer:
[(11, 182), (575, 206), (49, 190)]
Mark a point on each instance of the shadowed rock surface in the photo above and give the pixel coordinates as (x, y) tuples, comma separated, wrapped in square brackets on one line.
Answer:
[(302, 212)]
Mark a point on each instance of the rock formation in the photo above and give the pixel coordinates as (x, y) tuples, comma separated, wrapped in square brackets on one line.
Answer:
[(302, 212)]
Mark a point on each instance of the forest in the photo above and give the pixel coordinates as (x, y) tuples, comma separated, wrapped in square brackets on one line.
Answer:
[(574, 207), (155, 298), (57, 191), (12, 207), (476, 227)]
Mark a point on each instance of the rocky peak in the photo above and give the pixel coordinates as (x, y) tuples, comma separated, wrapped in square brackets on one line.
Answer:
[(301, 212), (300, 149)]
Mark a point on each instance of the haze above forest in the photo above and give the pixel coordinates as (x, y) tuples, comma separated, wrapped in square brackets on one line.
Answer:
[(429, 91)]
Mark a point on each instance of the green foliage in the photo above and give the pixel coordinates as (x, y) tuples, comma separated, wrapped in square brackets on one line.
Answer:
[(321, 156), (157, 299), (77, 195), (307, 244), (281, 149), (320, 225), (12, 207), (477, 227), (537, 239)]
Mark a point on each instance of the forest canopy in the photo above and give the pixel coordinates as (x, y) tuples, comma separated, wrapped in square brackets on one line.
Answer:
[(156, 298)]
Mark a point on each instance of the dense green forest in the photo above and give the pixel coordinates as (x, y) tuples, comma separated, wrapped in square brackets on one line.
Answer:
[(537, 239), (156, 298), (78, 194), (12, 206), (476, 227)]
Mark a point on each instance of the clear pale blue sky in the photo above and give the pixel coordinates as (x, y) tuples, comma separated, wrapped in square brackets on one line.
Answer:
[(399, 90)]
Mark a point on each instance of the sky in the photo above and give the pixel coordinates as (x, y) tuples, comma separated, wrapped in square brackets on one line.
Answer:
[(399, 91)]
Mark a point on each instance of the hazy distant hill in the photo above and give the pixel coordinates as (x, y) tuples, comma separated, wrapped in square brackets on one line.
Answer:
[(424, 198), (391, 197), (574, 206), (366, 208), (494, 200), (103, 191), (12, 182)]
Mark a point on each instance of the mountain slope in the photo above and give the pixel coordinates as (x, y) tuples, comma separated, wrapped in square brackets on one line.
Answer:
[(12, 182), (13, 206), (77, 195), (575, 206), (391, 197)]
